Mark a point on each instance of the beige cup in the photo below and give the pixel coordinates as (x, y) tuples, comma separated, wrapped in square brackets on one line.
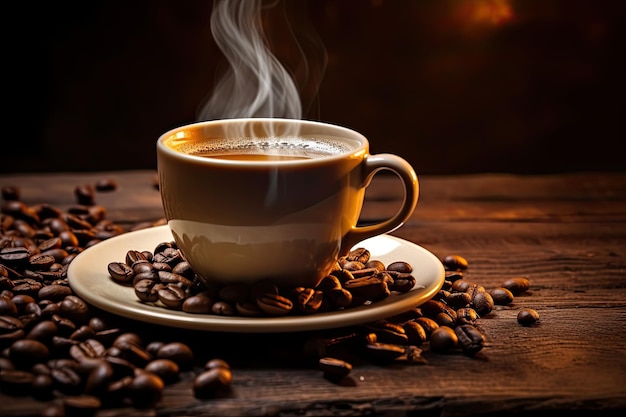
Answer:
[(271, 198)]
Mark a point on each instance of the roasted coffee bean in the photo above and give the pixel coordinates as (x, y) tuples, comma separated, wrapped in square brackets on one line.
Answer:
[(470, 339), (517, 285), (432, 309), (527, 316), (387, 332), (482, 303), (455, 263), (171, 278), (65, 325), (402, 282), (443, 340), (43, 331), (216, 363), (54, 292), (146, 389), (99, 377), (199, 304), (151, 275), (67, 380), (466, 315), (166, 369), (24, 353), (133, 256), (172, 296), (415, 333), (501, 296), (212, 383), (84, 194), (352, 265), (339, 298), (334, 368), (89, 349), (7, 307), (309, 300), (274, 304), (134, 353), (361, 255), (106, 184), (182, 268), (365, 272), (14, 256), (75, 309), (329, 283), (453, 275), (384, 352), (147, 290), (170, 256), (458, 300), (373, 288), (177, 352), (400, 266), (222, 308), (428, 324), (41, 262)]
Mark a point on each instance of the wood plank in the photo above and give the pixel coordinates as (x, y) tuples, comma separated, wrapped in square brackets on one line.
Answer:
[(565, 233)]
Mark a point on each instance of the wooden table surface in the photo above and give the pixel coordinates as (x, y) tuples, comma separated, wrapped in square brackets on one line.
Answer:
[(565, 233)]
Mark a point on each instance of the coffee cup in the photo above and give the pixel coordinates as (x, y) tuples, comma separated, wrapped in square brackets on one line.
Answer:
[(267, 198)]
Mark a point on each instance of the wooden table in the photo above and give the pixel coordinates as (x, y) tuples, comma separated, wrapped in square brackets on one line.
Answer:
[(565, 233)]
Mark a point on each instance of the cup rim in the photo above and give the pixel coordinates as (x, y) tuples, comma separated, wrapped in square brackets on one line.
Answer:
[(340, 131)]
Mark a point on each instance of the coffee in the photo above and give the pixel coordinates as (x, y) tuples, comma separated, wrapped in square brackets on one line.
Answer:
[(270, 149), (236, 156)]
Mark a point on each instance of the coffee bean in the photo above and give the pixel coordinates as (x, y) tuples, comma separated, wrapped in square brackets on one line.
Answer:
[(501, 296), (470, 339), (443, 340), (171, 296), (106, 184), (178, 352), (516, 285), (334, 368), (274, 304), (146, 389), (527, 317), (166, 369), (24, 353), (212, 383), (455, 263)]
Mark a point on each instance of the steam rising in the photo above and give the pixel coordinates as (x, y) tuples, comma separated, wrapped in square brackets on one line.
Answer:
[(255, 84)]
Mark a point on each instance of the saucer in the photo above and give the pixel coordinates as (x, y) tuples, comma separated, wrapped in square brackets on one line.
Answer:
[(89, 278)]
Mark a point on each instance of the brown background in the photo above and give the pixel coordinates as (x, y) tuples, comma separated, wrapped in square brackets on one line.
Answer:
[(455, 86)]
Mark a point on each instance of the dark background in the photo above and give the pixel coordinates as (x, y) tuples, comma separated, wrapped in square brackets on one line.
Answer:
[(454, 86)]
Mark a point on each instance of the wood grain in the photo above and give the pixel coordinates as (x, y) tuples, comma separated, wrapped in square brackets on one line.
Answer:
[(565, 233)]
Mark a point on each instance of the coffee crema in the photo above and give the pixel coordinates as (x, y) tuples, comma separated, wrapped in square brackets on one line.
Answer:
[(262, 149), (241, 156)]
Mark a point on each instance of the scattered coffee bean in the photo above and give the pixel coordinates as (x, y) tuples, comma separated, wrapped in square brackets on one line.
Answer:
[(106, 184), (527, 317), (516, 285)]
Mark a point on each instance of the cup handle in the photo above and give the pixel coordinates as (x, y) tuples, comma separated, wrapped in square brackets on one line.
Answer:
[(405, 172)]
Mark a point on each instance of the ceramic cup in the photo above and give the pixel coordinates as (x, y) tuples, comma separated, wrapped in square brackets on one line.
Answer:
[(253, 199)]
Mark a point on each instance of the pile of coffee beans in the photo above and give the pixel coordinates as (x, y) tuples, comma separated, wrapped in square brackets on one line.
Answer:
[(163, 277), (53, 345)]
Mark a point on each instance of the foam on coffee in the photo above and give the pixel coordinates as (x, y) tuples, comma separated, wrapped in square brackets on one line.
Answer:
[(273, 147)]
